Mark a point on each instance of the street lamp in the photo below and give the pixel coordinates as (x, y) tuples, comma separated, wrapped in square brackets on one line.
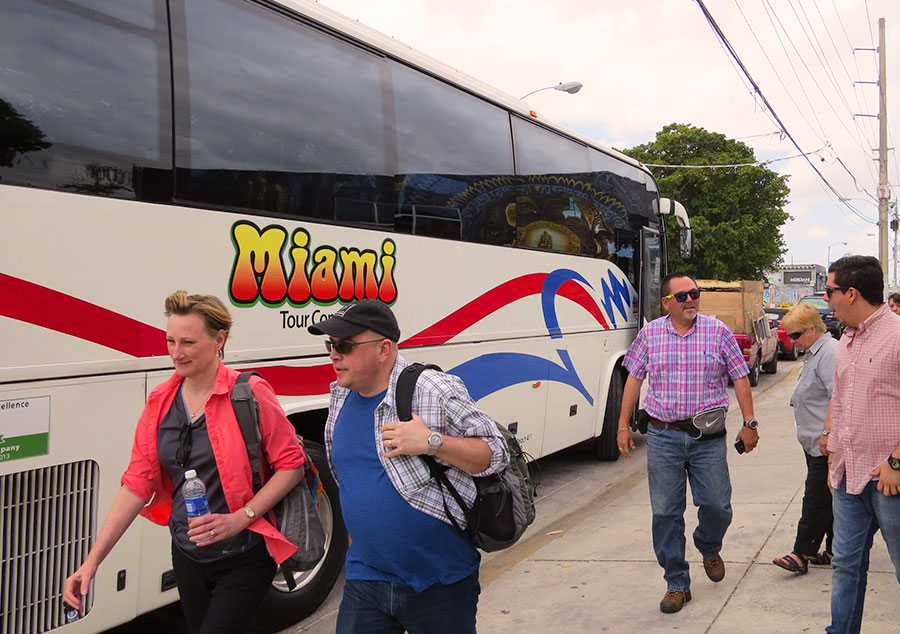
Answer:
[(570, 87), (828, 253)]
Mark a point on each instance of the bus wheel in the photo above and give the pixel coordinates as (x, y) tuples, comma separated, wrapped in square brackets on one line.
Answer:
[(605, 447), (283, 607)]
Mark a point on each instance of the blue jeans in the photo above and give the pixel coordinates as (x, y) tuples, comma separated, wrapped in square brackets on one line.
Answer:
[(856, 520), (672, 457), (382, 607)]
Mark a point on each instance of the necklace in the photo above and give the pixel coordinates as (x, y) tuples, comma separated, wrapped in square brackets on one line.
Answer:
[(194, 412)]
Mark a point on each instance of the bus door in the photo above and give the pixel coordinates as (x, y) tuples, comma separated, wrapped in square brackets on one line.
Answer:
[(651, 275)]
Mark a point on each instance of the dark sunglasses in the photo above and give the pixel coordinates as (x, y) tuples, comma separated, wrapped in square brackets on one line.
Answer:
[(682, 296), (185, 443), (345, 346), (831, 289), (796, 335)]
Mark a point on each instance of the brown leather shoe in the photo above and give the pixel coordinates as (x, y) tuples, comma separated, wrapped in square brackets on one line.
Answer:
[(674, 601), (714, 567)]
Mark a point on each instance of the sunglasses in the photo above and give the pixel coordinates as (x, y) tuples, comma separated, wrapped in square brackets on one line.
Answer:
[(185, 443), (345, 346), (831, 289), (682, 296), (796, 335)]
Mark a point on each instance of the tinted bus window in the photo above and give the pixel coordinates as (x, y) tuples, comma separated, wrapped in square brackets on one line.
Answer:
[(85, 97), (451, 149), (281, 117)]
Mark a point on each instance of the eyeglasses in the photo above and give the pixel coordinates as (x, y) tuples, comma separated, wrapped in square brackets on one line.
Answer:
[(831, 289), (682, 296), (185, 443), (796, 335), (345, 346)]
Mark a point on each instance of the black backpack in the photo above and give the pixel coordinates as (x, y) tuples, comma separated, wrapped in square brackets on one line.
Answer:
[(296, 515), (504, 505)]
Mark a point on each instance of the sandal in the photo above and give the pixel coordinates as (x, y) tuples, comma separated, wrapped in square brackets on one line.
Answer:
[(790, 564), (822, 559)]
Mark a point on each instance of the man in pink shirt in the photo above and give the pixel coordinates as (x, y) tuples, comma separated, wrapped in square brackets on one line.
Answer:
[(862, 433)]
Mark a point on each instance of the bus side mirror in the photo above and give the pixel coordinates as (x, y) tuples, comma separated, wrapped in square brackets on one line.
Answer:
[(687, 244)]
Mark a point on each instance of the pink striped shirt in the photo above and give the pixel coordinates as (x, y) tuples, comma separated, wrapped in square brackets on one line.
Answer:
[(688, 373), (865, 406)]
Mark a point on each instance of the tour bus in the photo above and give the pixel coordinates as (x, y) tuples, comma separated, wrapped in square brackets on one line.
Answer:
[(290, 161)]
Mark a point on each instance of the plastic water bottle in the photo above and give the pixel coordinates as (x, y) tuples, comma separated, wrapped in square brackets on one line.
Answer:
[(194, 492)]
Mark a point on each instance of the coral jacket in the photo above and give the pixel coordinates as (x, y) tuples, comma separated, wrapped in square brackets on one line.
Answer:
[(146, 478)]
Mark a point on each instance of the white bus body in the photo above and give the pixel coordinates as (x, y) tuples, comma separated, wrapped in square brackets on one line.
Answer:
[(516, 254)]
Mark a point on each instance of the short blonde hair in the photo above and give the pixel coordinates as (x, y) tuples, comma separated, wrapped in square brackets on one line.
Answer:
[(215, 316), (802, 317)]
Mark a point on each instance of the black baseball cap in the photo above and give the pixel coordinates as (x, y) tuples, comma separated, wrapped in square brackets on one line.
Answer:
[(366, 314)]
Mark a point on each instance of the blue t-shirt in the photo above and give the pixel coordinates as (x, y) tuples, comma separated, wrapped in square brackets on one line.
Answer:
[(391, 541)]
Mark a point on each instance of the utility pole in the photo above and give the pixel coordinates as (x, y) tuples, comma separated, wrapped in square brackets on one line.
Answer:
[(884, 188)]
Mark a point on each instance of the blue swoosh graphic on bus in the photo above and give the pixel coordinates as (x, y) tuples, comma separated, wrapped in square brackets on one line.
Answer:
[(548, 297), (493, 372), (616, 294)]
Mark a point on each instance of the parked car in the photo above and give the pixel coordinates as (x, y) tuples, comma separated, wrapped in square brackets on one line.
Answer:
[(760, 348), (832, 323), (787, 348)]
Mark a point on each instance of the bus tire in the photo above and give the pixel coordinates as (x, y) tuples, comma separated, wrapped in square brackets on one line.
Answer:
[(283, 608), (605, 447)]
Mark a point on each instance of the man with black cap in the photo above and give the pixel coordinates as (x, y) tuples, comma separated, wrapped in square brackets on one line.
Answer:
[(407, 567)]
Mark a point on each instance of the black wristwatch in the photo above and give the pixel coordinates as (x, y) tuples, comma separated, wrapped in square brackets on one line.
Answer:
[(894, 463), (752, 423)]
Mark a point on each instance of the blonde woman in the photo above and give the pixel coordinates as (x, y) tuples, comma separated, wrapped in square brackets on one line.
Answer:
[(804, 325), (224, 561)]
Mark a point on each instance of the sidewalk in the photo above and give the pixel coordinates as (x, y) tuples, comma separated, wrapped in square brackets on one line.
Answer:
[(598, 573)]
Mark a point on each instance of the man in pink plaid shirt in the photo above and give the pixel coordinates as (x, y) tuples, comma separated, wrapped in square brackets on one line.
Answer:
[(862, 433), (688, 359)]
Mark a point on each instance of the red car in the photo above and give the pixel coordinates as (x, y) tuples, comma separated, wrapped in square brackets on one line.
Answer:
[(787, 348)]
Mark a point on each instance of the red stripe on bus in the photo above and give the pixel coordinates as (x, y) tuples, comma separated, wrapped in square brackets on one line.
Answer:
[(44, 307)]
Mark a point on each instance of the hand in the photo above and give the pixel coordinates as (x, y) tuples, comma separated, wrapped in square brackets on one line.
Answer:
[(750, 438), (78, 585), (625, 440), (214, 527), (888, 479), (823, 445), (405, 438)]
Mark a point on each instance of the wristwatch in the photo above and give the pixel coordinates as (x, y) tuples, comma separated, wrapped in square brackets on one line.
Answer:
[(825, 432), (435, 440), (752, 423), (250, 512), (894, 462)]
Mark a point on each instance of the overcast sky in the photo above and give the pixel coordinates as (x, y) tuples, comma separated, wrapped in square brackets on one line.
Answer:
[(648, 63)]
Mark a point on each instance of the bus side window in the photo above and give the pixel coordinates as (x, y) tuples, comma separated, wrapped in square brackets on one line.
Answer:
[(91, 112), (454, 155), (280, 117)]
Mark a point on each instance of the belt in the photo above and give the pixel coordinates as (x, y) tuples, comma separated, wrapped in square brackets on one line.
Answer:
[(680, 425)]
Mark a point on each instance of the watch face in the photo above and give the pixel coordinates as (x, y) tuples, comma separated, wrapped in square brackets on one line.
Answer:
[(894, 463), (752, 424), (435, 439)]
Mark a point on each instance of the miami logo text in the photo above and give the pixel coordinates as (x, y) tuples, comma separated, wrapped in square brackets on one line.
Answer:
[(324, 275)]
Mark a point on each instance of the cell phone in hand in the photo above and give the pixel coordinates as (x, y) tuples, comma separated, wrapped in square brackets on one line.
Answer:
[(739, 445)]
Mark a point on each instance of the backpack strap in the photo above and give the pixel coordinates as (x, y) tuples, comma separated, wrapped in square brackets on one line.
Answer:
[(246, 411), (406, 386)]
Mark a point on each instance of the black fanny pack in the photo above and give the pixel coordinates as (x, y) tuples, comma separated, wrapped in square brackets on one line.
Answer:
[(705, 425)]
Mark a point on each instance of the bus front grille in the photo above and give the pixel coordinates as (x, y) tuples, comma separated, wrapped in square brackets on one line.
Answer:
[(47, 525)]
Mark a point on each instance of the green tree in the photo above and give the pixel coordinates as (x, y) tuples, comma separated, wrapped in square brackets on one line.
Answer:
[(17, 135), (736, 212)]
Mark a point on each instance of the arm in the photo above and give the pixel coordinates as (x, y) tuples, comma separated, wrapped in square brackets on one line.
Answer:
[(223, 526), (124, 509), (472, 455), (630, 397), (744, 394)]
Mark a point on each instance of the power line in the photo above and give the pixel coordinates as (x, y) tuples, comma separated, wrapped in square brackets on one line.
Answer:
[(758, 91)]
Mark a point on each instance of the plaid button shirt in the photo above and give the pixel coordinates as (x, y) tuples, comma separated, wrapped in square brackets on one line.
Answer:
[(688, 373), (443, 402), (865, 406)]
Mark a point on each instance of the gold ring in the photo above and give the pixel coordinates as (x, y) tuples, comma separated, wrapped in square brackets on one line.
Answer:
[(212, 533)]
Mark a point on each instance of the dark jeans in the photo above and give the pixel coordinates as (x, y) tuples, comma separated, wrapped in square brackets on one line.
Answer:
[(382, 607), (221, 597), (816, 517)]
